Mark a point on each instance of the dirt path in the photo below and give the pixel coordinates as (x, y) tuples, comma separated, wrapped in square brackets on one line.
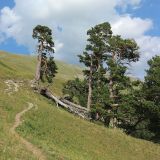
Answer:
[(13, 86), (29, 146)]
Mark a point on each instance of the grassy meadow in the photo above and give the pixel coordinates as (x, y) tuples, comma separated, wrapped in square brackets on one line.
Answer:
[(59, 134)]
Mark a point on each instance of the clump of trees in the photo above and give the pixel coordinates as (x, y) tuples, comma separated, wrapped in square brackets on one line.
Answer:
[(46, 67), (106, 90), (106, 57)]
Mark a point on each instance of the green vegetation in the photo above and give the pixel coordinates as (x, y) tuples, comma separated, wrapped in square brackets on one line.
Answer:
[(59, 134), (15, 69), (46, 67), (151, 91), (115, 100)]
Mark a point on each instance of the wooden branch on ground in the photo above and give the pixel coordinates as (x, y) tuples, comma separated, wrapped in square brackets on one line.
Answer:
[(114, 105), (74, 105), (73, 108)]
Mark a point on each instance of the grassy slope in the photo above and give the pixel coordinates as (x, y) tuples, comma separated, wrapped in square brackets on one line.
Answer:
[(58, 133)]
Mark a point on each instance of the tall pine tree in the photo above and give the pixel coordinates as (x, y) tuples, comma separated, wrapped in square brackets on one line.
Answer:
[(121, 53), (46, 67), (94, 55), (152, 93)]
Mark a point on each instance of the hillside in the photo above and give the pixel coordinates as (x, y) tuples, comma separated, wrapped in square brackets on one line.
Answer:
[(55, 132)]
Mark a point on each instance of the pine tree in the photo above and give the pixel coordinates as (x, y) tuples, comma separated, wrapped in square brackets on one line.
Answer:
[(46, 67), (152, 93), (94, 55), (121, 53), (139, 112), (106, 58), (76, 91), (135, 111)]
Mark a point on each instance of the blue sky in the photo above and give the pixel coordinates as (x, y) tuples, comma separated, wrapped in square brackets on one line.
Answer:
[(10, 44), (70, 19), (150, 9), (4, 3), (147, 9)]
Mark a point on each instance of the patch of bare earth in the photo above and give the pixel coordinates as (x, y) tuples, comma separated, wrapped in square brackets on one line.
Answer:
[(13, 86)]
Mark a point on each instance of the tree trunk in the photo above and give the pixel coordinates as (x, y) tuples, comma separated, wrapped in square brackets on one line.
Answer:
[(73, 108), (38, 67), (90, 88), (73, 104), (89, 95), (111, 88), (113, 120)]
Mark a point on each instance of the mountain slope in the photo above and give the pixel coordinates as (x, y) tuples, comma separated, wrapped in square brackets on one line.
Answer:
[(57, 133)]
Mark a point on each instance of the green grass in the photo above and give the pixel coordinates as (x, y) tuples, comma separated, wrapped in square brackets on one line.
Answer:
[(11, 148), (23, 67), (60, 135)]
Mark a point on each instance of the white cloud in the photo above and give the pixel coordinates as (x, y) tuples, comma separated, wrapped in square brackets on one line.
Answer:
[(58, 45), (130, 27), (149, 47), (2, 37), (137, 28), (9, 22), (74, 17), (129, 2), (124, 4), (70, 19)]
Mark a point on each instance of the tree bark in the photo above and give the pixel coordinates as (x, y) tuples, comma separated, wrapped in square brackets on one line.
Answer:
[(111, 80), (73, 104), (89, 95), (111, 87), (113, 120), (38, 67), (89, 101)]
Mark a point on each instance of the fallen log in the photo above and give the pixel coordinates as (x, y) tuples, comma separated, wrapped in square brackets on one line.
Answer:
[(71, 107), (74, 105), (48, 94)]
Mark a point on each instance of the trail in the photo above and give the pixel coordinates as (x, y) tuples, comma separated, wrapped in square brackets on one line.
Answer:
[(29, 146), (13, 86)]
